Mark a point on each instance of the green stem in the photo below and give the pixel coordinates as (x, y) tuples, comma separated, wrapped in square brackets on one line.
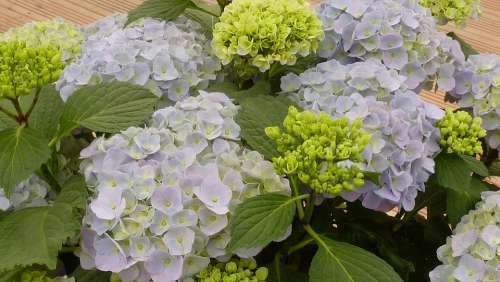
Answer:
[(295, 191), (33, 103), (9, 114), (310, 207), (313, 234), (17, 106), (300, 245)]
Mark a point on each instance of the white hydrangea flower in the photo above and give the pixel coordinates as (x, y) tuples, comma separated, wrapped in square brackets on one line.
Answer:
[(169, 58), (478, 89), (164, 194), (400, 34), (472, 253), (33, 192)]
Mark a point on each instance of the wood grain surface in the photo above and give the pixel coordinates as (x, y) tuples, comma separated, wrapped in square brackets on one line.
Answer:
[(482, 34)]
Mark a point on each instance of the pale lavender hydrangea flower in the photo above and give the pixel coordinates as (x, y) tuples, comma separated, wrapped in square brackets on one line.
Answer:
[(164, 194), (169, 58), (471, 254), (400, 34), (478, 89), (33, 192)]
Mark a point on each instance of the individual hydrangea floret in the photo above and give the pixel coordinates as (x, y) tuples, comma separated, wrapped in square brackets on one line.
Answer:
[(258, 33), (169, 58), (404, 142), (164, 194), (478, 89), (471, 253), (457, 11), (32, 192), (62, 35), (233, 271), (401, 34), (24, 68), (369, 78), (320, 151), (460, 133)]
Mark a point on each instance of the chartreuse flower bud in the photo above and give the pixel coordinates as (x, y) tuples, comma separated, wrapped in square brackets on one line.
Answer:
[(460, 133), (35, 276), (457, 11), (24, 68), (320, 151), (257, 33), (240, 270), (62, 35)]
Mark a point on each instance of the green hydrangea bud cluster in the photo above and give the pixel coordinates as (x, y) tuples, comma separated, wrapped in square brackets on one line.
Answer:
[(58, 33), (321, 151), (460, 133), (233, 271), (35, 276), (257, 33), (457, 11), (24, 68)]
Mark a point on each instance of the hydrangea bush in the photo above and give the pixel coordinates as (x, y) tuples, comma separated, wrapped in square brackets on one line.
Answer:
[(248, 141)]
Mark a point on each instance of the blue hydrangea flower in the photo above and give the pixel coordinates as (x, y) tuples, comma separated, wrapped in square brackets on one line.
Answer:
[(33, 192), (400, 34), (169, 58), (471, 254), (164, 194)]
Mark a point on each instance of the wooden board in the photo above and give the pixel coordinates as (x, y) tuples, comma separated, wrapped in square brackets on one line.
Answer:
[(483, 34)]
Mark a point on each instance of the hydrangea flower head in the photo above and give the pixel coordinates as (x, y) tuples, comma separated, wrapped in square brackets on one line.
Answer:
[(478, 89), (169, 58), (238, 270), (62, 35), (24, 68), (471, 253), (460, 133), (401, 34), (457, 11), (32, 192), (369, 78), (259, 33), (164, 194), (320, 151)]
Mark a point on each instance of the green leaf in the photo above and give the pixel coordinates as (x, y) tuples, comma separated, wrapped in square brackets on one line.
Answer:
[(261, 220), (458, 203), (466, 47), (452, 172), (161, 9), (74, 193), (11, 275), (47, 112), (107, 107), (35, 235), (341, 262), (475, 165), (206, 20), (22, 151), (7, 122), (82, 275), (258, 112)]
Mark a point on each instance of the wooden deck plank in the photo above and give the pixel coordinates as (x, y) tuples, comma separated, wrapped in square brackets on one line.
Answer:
[(482, 34)]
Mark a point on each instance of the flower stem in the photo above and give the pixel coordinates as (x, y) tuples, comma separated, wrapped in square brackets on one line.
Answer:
[(20, 116), (295, 191), (310, 207), (300, 245), (33, 103)]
